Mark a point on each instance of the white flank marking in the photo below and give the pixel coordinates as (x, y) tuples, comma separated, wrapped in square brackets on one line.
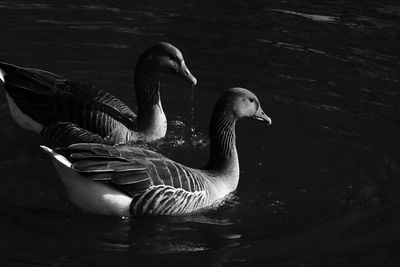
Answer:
[(2, 75), (57, 156), (21, 118), (91, 196)]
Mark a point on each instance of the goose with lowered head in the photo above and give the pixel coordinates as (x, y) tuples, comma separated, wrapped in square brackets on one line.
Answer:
[(132, 181), (67, 111)]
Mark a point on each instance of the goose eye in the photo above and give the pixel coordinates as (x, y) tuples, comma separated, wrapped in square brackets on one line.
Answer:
[(251, 100), (173, 58)]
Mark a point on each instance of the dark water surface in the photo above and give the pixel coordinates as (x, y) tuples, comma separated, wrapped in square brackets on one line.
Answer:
[(321, 186)]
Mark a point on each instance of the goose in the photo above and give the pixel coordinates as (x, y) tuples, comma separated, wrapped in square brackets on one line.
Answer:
[(67, 112), (132, 181)]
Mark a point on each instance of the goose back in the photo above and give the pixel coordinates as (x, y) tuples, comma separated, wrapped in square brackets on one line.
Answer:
[(46, 97)]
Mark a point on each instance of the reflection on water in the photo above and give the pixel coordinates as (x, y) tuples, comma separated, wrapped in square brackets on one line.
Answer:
[(320, 186)]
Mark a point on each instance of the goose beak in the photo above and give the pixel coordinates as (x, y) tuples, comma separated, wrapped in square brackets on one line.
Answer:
[(185, 73), (261, 116)]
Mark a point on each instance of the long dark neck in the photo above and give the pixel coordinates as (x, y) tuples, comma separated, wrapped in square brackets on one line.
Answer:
[(147, 88), (223, 155), (151, 120)]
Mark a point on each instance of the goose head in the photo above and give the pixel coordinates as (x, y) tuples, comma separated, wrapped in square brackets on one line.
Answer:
[(242, 103), (167, 59)]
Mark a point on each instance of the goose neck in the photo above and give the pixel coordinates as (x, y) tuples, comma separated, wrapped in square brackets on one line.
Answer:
[(151, 120), (147, 87), (223, 154)]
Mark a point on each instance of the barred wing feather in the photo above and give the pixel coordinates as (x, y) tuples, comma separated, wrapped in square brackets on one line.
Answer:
[(66, 133), (167, 200), (98, 163)]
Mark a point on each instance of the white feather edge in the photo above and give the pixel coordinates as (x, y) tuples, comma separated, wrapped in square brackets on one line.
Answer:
[(21, 118), (58, 157), (2, 76)]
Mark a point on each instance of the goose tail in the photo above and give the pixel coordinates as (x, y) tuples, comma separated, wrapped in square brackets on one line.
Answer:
[(2, 76), (91, 196), (57, 158), (2, 79)]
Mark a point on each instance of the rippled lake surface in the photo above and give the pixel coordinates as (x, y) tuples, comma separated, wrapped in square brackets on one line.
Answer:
[(320, 186)]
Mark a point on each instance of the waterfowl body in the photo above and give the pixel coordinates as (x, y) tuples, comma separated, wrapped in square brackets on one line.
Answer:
[(131, 181), (67, 111)]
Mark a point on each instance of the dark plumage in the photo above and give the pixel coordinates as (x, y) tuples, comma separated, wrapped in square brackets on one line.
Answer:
[(126, 181), (67, 112)]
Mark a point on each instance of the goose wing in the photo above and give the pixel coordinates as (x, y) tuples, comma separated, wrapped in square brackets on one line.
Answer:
[(132, 169), (67, 133), (47, 97), (123, 167)]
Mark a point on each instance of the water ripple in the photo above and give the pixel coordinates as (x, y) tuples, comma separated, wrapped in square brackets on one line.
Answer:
[(111, 9), (134, 30), (116, 46), (60, 22), (289, 46), (314, 17)]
